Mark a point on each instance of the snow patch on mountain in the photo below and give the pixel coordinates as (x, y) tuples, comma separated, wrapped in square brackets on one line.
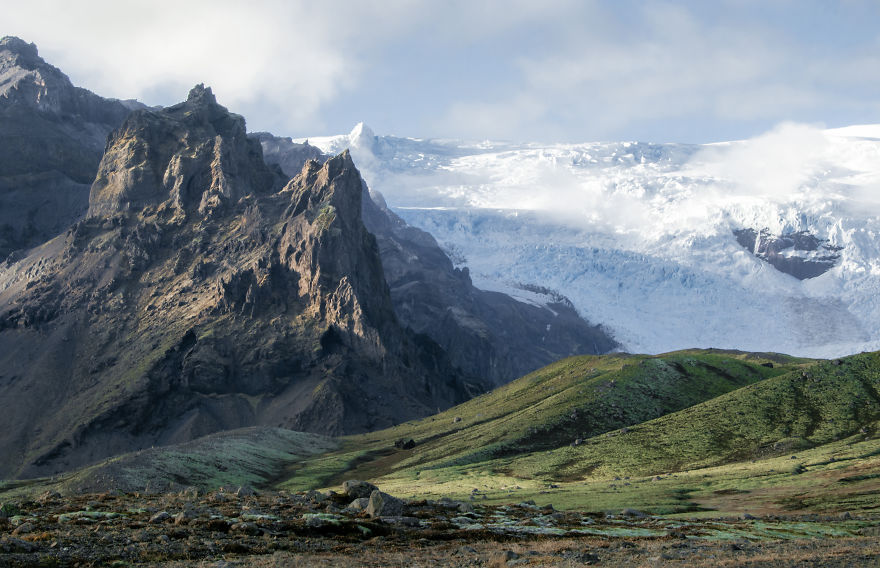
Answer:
[(640, 236)]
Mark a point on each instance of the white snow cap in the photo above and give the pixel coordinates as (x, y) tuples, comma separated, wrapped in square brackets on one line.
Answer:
[(362, 136)]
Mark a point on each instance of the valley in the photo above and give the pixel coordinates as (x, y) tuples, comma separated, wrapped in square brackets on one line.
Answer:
[(228, 348)]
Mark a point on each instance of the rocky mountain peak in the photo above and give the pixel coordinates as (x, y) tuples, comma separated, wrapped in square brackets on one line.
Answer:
[(26, 79), (52, 136), (328, 245), (24, 53), (197, 295), (191, 157), (201, 94)]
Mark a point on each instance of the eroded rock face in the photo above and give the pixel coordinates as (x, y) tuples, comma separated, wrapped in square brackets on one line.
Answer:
[(800, 254), (486, 334), (200, 295), (196, 152), (52, 135)]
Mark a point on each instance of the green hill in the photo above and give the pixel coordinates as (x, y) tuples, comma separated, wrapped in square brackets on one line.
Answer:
[(682, 432), (562, 404), (686, 432)]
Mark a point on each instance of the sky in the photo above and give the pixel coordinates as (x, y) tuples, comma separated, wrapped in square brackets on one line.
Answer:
[(544, 71)]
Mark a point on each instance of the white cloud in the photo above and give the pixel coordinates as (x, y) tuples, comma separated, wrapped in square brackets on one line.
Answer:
[(264, 56), (663, 64), (776, 165), (572, 69)]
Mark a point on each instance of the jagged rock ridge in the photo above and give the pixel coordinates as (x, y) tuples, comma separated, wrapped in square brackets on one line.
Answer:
[(487, 334), (199, 295), (52, 135)]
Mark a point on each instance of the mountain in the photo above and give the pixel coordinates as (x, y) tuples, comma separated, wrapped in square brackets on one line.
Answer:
[(487, 334), (52, 136), (762, 244), (200, 295)]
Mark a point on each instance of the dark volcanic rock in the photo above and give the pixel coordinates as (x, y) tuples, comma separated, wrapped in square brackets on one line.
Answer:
[(290, 156), (487, 334), (358, 489), (800, 254), (52, 135), (199, 295)]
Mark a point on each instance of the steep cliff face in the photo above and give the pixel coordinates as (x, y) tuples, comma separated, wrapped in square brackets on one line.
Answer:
[(200, 295), (52, 135), (486, 334)]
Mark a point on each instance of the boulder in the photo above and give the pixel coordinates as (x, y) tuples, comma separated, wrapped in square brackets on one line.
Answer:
[(384, 505), (356, 489), (359, 504)]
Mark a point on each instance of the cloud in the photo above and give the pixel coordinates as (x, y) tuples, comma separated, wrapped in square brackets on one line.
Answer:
[(263, 58), (780, 165), (517, 69), (661, 63)]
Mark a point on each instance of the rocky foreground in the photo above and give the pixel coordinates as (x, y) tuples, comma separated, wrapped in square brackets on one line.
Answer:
[(361, 525)]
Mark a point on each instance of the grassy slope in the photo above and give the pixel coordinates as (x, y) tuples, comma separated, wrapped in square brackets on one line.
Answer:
[(677, 433), (249, 456), (578, 397), (731, 453)]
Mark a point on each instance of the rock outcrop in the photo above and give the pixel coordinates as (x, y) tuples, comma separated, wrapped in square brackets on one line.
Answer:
[(199, 295), (52, 136), (799, 254), (486, 334)]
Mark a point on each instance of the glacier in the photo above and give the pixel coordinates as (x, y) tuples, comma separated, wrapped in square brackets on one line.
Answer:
[(640, 236)]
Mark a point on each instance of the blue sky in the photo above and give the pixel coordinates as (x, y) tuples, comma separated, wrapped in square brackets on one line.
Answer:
[(555, 70)]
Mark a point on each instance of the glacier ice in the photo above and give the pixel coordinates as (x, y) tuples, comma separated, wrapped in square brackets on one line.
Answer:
[(640, 236)]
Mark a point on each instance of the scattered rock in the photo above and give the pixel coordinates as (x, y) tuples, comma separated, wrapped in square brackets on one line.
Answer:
[(401, 520), (748, 517), (359, 504), (183, 517), (633, 513), (23, 528), (245, 491), (384, 505), (316, 496), (357, 489), (456, 419), (160, 517), (14, 545), (48, 496), (405, 444), (246, 528), (501, 558)]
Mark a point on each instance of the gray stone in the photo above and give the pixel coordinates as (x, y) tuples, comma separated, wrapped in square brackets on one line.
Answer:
[(356, 489), (246, 528), (316, 496), (160, 517), (184, 517), (384, 505), (359, 504)]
